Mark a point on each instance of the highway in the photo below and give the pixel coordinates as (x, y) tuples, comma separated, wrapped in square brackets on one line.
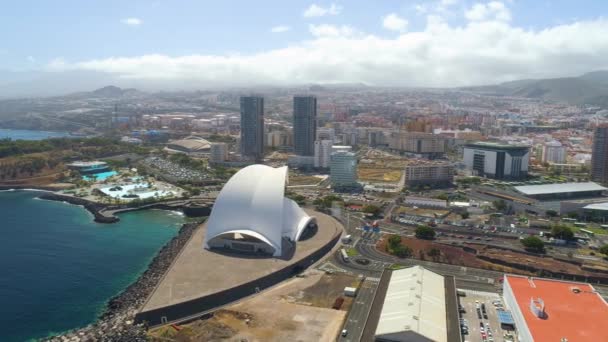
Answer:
[(357, 316)]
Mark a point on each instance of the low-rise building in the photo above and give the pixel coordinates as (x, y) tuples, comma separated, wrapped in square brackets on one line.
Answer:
[(424, 172), (418, 143), (88, 167), (413, 304)]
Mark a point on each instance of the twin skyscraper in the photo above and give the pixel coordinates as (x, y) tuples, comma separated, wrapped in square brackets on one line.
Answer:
[(252, 126)]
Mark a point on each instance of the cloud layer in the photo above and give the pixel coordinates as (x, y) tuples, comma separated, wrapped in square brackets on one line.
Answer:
[(319, 11), (280, 29), (132, 21), (487, 49), (394, 22)]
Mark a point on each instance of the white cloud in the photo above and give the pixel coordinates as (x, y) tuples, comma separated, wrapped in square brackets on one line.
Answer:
[(325, 30), (31, 59), (447, 3), (494, 10), (420, 8), (394, 22), (59, 64), (280, 29), (315, 10), (478, 52), (132, 21)]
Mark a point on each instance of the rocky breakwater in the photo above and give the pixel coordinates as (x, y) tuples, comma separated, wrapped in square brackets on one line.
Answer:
[(94, 208), (116, 323)]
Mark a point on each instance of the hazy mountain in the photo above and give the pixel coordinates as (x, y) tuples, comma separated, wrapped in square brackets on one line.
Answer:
[(590, 88)]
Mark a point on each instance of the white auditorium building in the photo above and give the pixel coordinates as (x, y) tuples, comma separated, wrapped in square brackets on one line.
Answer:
[(252, 215)]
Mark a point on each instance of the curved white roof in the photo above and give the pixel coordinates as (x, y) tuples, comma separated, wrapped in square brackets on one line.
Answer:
[(253, 203)]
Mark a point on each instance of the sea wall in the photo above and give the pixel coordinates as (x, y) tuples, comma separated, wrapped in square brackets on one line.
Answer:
[(94, 208), (106, 214), (117, 321), (197, 307)]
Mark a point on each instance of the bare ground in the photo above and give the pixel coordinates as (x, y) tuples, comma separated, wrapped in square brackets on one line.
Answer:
[(297, 310)]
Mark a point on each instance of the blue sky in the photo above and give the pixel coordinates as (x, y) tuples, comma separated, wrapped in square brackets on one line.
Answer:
[(38, 34)]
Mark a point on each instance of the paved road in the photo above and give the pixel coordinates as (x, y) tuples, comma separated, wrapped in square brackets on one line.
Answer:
[(357, 315)]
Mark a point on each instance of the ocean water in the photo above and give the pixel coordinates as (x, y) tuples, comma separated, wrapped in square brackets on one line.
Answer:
[(20, 134), (59, 268)]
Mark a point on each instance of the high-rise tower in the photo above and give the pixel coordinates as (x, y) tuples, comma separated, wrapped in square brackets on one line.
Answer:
[(304, 125), (252, 127)]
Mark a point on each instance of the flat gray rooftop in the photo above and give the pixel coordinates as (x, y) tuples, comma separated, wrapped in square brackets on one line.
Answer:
[(559, 188), (198, 272)]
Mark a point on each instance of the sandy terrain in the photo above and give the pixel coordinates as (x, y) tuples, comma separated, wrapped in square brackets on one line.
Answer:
[(279, 314)]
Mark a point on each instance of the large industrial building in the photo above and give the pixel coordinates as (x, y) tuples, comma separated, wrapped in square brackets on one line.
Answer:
[(552, 310), (562, 191), (252, 215), (494, 160), (413, 304)]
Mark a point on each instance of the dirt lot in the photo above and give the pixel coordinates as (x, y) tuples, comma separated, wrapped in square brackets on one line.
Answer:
[(303, 180), (538, 262), (449, 254), (324, 292), (379, 174), (298, 310)]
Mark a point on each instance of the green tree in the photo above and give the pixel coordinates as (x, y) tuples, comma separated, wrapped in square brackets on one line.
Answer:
[(395, 247), (533, 244), (372, 209), (434, 253), (551, 213), (562, 232), (604, 250), (465, 215), (425, 233), (442, 196), (394, 240), (573, 215), (403, 251), (500, 205)]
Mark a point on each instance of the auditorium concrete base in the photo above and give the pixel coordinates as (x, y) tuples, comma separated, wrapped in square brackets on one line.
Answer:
[(200, 280)]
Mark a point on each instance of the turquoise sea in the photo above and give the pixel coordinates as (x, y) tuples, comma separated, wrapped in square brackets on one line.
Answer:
[(20, 134), (59, 268)]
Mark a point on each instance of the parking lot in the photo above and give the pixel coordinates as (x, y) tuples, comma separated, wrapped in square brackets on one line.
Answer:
[(492, 332)]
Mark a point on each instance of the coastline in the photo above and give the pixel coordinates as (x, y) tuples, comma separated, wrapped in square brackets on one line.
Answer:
[(116, 322), (103, 213)]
